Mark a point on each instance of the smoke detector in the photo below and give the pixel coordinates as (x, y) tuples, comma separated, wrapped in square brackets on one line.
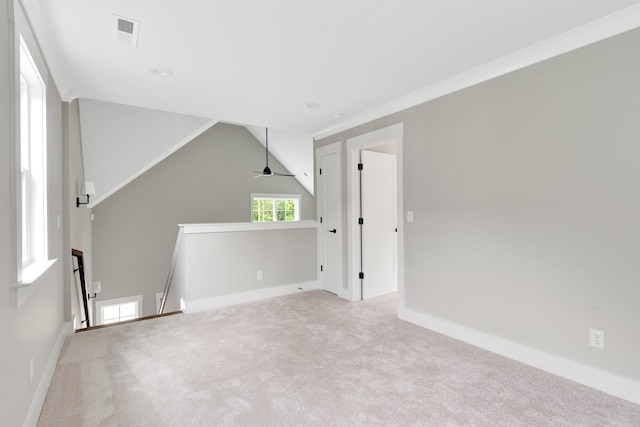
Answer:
[(126, 30)]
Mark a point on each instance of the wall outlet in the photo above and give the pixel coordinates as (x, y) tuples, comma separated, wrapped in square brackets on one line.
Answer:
[(31, 369), (259, 275), (596, 338)]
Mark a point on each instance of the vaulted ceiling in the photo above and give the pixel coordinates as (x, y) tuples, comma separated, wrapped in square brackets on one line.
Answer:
[(308, 66)]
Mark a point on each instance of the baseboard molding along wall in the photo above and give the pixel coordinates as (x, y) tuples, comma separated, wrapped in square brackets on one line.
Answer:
[(45, 381), (249, 296), (571, 370)]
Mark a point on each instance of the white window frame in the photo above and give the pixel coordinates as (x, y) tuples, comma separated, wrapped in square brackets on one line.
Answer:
[(30, 257), (100, 306), (275, 197), (33, 161)]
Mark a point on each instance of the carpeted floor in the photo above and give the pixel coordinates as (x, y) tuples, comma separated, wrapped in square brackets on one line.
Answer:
[(308, 359)]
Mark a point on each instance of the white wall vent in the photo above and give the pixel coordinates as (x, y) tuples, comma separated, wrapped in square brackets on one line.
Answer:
[(126, 30)]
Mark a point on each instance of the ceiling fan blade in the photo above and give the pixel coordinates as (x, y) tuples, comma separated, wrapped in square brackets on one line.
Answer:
[(282, 174)]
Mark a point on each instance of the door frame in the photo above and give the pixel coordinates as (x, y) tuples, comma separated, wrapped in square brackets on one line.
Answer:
[(334, 148), (390, 134)]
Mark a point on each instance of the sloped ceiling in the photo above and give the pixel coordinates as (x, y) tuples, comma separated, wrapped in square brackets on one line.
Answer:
[(120, 142), (293, 149)]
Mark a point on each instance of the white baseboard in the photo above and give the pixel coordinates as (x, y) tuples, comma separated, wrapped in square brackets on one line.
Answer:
[(249, 296), (348, 295), (569, 369), (45, 381)]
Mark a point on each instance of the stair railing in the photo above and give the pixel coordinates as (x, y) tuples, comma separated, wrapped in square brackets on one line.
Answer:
[(174, 260)]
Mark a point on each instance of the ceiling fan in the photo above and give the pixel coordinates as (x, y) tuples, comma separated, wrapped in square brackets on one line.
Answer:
[(267, 171)]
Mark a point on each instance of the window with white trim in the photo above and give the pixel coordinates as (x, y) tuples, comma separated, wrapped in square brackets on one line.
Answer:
[(118, 309), (275, 207), (33, 161)]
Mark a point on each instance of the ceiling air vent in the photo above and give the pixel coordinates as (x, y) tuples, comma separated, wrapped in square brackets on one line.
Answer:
[(126, 31)]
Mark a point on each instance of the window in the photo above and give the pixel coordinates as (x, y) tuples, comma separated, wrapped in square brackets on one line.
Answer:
[(280, 207), (33, 165), (118, 310)]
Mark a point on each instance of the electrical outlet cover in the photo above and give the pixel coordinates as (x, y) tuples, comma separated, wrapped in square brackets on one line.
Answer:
[(596, 338)]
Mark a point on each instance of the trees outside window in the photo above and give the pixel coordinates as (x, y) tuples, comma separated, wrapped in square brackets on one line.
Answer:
[(268, 208)]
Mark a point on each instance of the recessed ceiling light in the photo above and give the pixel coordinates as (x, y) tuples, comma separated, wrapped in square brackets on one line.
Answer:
[(312, 106), (162, 72), (337, 115)]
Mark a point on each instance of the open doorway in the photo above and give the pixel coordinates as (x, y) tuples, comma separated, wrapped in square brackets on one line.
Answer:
[(374, 211)]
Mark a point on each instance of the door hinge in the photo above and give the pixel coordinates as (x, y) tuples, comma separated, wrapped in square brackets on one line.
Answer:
[(361, 275), (321, 268), (320, 171), (360, 166), (360, 221), (320, 220)]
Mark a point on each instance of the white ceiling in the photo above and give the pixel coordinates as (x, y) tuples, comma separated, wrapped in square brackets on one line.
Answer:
[(259, 61)]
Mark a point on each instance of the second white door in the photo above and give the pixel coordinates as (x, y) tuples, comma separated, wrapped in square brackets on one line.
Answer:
[(379, 231)]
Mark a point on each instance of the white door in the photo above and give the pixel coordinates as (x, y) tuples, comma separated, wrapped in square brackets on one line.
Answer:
[(379, 231), (330, 229)]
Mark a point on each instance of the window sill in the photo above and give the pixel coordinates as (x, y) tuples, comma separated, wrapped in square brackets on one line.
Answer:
[(31, 278)]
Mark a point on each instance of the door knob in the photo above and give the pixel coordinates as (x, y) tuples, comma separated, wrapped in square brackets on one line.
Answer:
[(334, 231)]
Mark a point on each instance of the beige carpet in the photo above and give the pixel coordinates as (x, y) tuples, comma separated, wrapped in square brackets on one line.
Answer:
[(308, 359)]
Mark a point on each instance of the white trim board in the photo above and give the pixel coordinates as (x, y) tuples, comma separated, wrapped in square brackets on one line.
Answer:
[(571, 370), (225, 227), (609, 26), (249, 296)]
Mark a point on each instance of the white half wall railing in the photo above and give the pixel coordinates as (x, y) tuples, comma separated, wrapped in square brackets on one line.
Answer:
[(216, 265)]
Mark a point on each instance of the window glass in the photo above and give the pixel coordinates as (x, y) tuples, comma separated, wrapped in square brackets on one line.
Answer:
[(268, 208), (118, 312), (128, 310), (111, 314)]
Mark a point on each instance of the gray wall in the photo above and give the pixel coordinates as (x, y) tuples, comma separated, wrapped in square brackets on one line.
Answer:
[(5, 212), (227, 263), (31, 330), (78, 225), (207, 181), (524, 190)]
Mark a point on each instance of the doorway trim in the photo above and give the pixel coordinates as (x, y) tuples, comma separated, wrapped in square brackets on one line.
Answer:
[(393, 133)]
